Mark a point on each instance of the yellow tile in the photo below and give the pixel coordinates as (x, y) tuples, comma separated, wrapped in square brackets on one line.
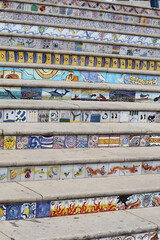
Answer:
[(82, 61), (91, 62), (39, 57), (137, 64), (11, 56), (57, 59), (144, 67), (3, 56), (30, 57), (129, 64), (48, 58), (74, 60), (151, 65), (21, 57), (158, 66), (107, 62), (66, 60), (115, 63), (99, 62), (123, 63)]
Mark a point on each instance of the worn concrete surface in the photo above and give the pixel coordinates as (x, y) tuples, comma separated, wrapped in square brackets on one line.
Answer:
[(77, 156), (80, 227), (50, 129)]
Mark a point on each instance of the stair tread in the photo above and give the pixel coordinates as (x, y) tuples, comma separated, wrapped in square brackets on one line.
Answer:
[(88, 226), (12, 158), (33, 191), (50, 129)]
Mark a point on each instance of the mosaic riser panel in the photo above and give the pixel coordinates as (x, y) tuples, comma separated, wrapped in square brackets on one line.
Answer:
[(107, 6), (77, 141), (77, 94), (78, 60), (142, 236), (78, 206), (77, 13), (28, 173), (77, 46), (22, 115), (78, 23), (77, 76), (79, 34)]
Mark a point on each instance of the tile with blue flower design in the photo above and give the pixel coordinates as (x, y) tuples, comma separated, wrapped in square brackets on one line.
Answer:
[(43, 209), (31, 93), (28, 210), (34, 142), (13, 212)]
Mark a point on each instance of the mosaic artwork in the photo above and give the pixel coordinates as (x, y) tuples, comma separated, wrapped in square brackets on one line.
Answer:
[(77, 206)]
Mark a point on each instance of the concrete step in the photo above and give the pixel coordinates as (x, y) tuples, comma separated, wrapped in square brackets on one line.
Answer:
[(97, 195), (125, 224), (87, 163)]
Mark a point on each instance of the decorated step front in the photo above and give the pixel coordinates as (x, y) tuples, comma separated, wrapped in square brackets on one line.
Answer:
[(96, 14), (93, 196)]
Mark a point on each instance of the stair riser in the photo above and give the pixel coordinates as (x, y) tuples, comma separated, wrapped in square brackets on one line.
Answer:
[(77, 141), (90, 116), (81, 13), (146, 235), (57, 172), (79, 34), (96, 5), (78, 206)]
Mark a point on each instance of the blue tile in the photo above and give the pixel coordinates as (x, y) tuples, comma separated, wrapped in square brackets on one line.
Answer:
[(43, 209), (34, 142), (13, 212)]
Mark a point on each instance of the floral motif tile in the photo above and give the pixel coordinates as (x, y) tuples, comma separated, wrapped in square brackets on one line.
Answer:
[(22, 142), (92, 141), (28, 210), (9, 142)]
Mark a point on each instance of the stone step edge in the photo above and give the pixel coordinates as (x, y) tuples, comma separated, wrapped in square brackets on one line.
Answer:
[(53, 129), (86, 227), (76, 28), (78, 53), (37, 191), (77, 40), (98, 1), (78, 68), (22, 158), (38, 83), (81, 18), (78, 105)]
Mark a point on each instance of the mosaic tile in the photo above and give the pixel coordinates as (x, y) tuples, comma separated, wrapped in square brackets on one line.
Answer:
[(9, 142), (114, 140), (66, 172), (110, 203), (156, 199), (27, 173), (53, 172), (134, 141), (22, 142), (34, 142), (21, 116), (57, 208), (143, 97), (59, 142), (134, 116), (13, 211), (124, 140), (28, 210), (154, 140), (151, 117), (114, 169), (85, 116), (40, 173), (43, 209), (47, 142), (156, 167), (14, 174), (147, 167), (128, 202), (55, 93), (122, 96), (2, 212), (43, 115), (31, 93), (144, 140), (9, 115), (79, 171), (32, 116), (64, 116), (115, 116), (75, 116), (1, 115), (105, 116), (92, 141), (10, 93), (130, 168), (70, 141), (97, 205), (54, 116), (3, 174), (82, 141), (1, 142), (103, 141), (146, 200), (95, 116)]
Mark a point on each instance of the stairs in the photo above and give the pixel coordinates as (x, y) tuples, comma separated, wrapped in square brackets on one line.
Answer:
[(79, 120)]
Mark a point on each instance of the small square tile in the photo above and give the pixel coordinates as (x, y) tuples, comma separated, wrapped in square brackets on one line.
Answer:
[(84, 206), (157, 117), (156, 167), (147, 167), (43, 209), (70, 141), (75, 116), (156, 199), (97, 205), (146, 200), (82, 141), (3, 174), (154, 140), (114, 140), (9, 115), (22, 142), (53, 172), (92, 141), (79, 171), (76, 94), (91, 170), (142, 117), (115, 116), (134, 116), (110, 203), (54, 116), (9, 142), (40, 173), (95, 116), (151, 117), (66, 172), (13, 212), (21, 116), (27, 173), (14, 174), (124, 140), (1, 115), (64, 116), (34, 142), (2, 212), (70, 207), (130, 168), (124, 116), (57, 208), (105, 116), (43, 116), (1, 142), (59, 142), (114, 169), (144, 140), (85, 116), (47, 142), (28, 210), (134, 141), (32, 116), (103, 141)]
